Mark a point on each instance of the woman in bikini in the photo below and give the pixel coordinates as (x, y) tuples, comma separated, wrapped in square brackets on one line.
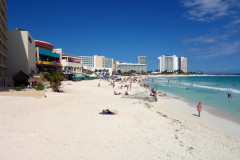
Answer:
[(199, 108)]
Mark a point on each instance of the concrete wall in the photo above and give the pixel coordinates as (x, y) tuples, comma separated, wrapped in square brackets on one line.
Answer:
[(31, 54), (59, 51), (21, 53), (35, 94), (98, 61), (114, 65)]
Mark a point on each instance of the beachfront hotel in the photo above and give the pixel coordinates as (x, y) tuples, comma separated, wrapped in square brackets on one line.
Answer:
[(3, 47), (128, 67), (97, 62), (168, 63), (102, 62), (21, 52), (183, 64), (46, 58), (29, 55), (141, 59), (87, 62), (71, 65)]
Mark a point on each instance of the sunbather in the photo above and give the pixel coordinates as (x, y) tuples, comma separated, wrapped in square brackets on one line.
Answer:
[(126, 93), (115, 93), (60, 91), (108, 112)]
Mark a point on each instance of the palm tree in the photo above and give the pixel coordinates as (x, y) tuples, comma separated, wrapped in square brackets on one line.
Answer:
[(54, 77), (119, 71)]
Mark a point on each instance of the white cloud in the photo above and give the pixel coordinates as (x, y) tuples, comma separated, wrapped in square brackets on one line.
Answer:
[(220, 70), (232, 24), (217, 50), (211, 38), (209, 10), (221, 49)]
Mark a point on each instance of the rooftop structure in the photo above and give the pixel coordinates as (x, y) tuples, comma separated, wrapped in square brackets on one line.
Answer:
[(44, 45), (141, 60)]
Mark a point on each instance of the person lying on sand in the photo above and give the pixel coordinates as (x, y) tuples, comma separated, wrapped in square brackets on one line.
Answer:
[(120, 87), (60, 91), (108, 112), (115, 93), (126, 93)]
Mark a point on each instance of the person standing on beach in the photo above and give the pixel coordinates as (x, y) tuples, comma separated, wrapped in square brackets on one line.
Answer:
[(113, 85), (199, 108)]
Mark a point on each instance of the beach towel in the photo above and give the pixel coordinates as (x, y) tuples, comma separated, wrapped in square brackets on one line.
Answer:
[(105, 113)]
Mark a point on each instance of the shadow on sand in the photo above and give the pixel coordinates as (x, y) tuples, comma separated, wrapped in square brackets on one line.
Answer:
[(195, 115)]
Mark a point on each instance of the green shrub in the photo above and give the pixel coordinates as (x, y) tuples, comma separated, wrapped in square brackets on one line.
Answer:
[(17, 88), (22, 86), (40, 87)]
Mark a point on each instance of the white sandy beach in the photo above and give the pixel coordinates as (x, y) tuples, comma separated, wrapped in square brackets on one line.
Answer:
[(69, 126)]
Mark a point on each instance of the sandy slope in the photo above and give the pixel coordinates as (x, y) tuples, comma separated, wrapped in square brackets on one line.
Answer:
[(68, 126)]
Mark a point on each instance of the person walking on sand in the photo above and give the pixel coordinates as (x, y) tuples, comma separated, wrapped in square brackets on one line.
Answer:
[(113, 85), (199, 108)]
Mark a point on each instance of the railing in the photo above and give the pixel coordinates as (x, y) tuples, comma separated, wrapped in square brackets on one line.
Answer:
[(48, 60)]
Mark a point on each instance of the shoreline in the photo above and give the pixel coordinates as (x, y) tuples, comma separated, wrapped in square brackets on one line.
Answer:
[(221, 116)]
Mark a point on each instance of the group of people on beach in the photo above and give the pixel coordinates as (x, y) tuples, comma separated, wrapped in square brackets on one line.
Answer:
[(154, 93)]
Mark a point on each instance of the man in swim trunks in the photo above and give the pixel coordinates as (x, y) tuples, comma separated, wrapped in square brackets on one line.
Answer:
[(199, 108)]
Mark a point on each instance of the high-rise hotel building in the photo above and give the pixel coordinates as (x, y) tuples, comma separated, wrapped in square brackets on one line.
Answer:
[(87, 62), (3, 46), (96, 62), (167, 63), (183, 64)]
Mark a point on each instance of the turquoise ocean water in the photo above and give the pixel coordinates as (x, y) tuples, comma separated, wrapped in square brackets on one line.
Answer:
[(204, 90)]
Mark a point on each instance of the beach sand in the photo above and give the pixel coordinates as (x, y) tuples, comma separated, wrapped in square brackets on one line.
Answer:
[(69, 126)]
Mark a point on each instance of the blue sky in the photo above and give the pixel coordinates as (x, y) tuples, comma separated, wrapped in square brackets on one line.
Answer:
[(207, 32)]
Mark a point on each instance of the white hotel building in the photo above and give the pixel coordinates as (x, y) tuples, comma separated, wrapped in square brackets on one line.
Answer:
[(97, 62), (87, 62), (183, 64), (168, 63), (128, 67)]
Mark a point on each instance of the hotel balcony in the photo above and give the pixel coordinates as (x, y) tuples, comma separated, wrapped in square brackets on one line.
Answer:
[(71, 65)]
